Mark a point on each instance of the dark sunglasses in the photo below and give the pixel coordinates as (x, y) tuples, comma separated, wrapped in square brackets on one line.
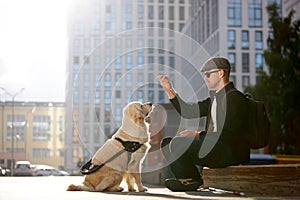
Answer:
[(207, 74)]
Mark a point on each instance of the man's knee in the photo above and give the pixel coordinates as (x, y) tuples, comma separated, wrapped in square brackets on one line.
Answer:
[(180, 145)]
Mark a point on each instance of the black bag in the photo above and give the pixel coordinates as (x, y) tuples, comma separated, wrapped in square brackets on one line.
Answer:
[(258, 127), (259, 123)]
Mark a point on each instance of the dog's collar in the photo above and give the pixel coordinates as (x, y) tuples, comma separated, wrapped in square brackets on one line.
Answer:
[(129, 145)]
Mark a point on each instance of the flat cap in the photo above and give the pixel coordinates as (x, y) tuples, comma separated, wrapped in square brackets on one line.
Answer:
[(216, 63)]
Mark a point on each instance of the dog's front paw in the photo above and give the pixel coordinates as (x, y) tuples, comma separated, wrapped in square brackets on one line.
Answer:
[(143, 189)]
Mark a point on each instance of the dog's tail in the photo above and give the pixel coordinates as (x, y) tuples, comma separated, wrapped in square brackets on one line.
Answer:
[(73, 187)]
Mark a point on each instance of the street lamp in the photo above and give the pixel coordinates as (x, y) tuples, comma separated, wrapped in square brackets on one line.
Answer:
[(3, 91)]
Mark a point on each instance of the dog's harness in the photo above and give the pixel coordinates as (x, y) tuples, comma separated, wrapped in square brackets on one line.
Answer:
[(129, 146)]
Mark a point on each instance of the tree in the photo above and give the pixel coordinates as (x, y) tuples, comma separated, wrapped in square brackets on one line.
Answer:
[(280, 88)]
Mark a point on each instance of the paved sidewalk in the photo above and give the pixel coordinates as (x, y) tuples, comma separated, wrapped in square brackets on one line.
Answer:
[(54, 188)]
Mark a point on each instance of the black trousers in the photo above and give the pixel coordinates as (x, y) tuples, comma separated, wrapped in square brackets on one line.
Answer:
[(181, 161), (186, 158)]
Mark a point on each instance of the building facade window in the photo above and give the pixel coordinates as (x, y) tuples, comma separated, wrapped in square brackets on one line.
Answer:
[(107, 96), (245, 39), (75, 97), (161, 46), (161, 29), (150, 80), (86, 96), (171, 29), (232, 61), (140, 79), (19, 127), (245, 81), (172, 78), (150, 62), (181, 13), (151, 95), (97, 136), (161, 12), (161, 96), (97, 114), (41, 123), (208, 20), (118, 80), (255, 13), (171, 12), (214, 15), (232, 78), (150, 12), (128, 61), (234, 13), (86, 133), (140, 61), (75, 81), (172, 62), (140, 44), (258, 40), (128, 80), (107, 114), (107, 131), (245, 62), (86, 114), (161, 62), (76, 62), (118, 115), (140, 12), (86, 64), (97, 61), (140, 95), (97, 97), (231, 39), (97, 82), (107, 80), (118, 98), (118, 63), (86, 80), (75, 137), (41, 153), (41, 136), (259, 62)]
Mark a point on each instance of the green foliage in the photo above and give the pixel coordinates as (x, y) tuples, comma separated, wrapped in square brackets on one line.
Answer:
[(280, 88)]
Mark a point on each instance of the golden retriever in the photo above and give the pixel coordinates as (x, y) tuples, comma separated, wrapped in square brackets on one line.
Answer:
[(126, 166)]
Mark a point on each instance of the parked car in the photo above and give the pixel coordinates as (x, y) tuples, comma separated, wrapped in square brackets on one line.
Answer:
[(22, 168), (46, 170)]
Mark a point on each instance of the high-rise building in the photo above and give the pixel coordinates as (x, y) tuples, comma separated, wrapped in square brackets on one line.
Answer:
[(116, 50), (235, 29)]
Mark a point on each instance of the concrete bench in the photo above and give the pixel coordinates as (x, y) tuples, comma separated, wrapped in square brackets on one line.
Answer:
[(277, 180)]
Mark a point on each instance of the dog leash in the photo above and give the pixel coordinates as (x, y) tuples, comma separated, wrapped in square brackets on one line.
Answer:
[(129, 146)]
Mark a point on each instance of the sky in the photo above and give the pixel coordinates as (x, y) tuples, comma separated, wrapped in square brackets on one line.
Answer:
[(33, 46)]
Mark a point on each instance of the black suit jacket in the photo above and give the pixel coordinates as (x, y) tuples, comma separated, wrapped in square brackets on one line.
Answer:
[(229, 145)]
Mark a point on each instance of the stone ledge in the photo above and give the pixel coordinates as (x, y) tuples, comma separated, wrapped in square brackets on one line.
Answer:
[(280, 179)]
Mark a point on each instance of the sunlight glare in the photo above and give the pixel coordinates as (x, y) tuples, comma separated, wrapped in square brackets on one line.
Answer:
[(33, 40)]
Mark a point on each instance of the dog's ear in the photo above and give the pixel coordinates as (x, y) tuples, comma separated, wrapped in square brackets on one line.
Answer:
[(136, 117), (140, 120)]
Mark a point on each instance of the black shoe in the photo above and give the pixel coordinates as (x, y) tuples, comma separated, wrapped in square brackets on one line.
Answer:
[(180, 185)]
